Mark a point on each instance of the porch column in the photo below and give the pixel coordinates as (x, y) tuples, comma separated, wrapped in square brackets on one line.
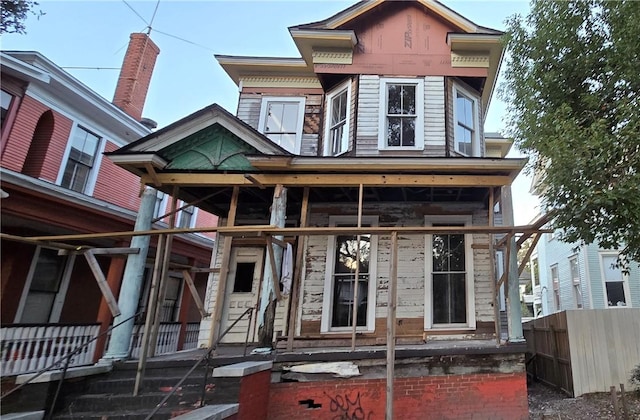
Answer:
[(268, 302), (132, 280), (514, 311), (114, 277)]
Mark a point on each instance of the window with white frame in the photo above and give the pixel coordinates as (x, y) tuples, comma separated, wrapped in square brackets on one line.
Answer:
[(282, 119), (81, 160), (574, 270), (465, 115), (344, 253), (187, 217), (159, 205), (337, 120), (449, 270), (556, 286), (48, 280), (614, 280), (401, 114)]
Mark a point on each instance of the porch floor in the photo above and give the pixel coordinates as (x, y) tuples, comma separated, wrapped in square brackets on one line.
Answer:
[(234, 353)]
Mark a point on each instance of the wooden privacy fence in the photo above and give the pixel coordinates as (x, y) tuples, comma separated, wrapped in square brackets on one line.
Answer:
[(584, 351), (29, 348)]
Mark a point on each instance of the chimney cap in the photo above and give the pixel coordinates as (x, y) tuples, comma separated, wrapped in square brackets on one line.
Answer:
[(149, 123)]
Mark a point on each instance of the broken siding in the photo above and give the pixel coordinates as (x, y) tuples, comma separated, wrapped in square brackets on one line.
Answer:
[(411, 263), (249, 108)]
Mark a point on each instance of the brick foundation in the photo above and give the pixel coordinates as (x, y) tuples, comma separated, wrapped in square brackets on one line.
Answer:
[(468, 396)]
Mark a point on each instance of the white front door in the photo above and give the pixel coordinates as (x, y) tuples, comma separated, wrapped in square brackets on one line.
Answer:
[(241, 293)]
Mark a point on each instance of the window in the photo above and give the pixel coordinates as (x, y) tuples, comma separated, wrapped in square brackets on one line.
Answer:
[(449, 270), (187, 218), (401, 114), (337, 120), (159, 205), (614, 280), (5, 104), (243, 281), (171, 303), (465, 113), (340, 277), (48, 281), (575, 280), (281, 120), (84, 148), (556, 286)]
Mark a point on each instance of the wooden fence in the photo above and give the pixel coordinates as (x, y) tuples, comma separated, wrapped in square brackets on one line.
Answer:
[(584, 351)]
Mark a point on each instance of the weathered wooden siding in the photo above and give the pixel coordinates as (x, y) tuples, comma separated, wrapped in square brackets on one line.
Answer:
[(366, 137), (434, 125), (249, 108), (411, 264)]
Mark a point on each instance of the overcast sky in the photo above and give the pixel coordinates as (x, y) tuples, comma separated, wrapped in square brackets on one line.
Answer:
[(89, 39)]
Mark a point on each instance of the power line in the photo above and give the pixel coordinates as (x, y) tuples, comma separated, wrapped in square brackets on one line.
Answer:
[(154, 15), (89, 68), (137, 14), (184, 40)]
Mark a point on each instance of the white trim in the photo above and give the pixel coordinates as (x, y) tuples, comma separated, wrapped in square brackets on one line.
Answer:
[(194, 216), (382, 113), (625, 282), (475, 141), (27, 285), (347, 126), (327, 296), (300, 100), (95, 169), (587, 271), (469, 280)]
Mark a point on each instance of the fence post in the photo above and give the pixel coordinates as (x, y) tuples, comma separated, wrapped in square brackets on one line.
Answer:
[(556, 362), (614, 401)]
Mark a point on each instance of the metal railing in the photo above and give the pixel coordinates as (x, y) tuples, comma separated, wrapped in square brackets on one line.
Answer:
[(65, 361), (206, 357)]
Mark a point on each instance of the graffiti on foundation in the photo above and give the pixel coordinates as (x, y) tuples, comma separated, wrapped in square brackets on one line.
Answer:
[(347, 407)]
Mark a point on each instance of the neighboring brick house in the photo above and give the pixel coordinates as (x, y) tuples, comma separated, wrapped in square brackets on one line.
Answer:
[(55, 181), (367, 155)]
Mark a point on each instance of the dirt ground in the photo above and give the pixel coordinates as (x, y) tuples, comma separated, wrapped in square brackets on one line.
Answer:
[(548, 404)]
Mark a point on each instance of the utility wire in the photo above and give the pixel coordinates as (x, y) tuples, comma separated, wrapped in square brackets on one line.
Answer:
[(90, 68), (184, 40), (154, 15), (137, 14)]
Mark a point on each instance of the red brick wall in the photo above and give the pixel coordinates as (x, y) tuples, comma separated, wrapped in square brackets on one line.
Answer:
[(475, 396), (15, 152), (254, 396), (115, 184)]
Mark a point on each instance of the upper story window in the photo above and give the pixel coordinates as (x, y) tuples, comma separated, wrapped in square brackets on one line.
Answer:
[(281, 119), (81, 160), (401, 114), (5, 104), (337, 120), (159, 205), (465, 114), (615, 281), (187, 217), (555, 280)]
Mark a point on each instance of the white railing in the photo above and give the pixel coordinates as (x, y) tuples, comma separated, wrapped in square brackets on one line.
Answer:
[(191, 336), (167, 342), (29, 348)]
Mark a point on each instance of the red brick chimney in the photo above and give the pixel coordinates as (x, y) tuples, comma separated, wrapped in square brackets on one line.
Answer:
[(135, 75)]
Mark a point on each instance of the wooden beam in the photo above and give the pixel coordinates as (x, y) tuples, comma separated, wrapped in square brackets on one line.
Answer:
[(492, 269), (391, 323), (357, 274), (274, 271), (525, 259), (153, 174), (104, 251), (329, 180), (258, 230), (254, 181), (102, 283), (505, 275), (282, 244), (297, 272), (194, 293), (224, 269)]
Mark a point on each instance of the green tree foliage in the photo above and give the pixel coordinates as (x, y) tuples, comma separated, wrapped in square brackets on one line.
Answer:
[(572, 87), (14, 13)]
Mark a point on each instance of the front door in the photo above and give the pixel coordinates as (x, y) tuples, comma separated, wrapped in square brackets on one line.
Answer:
[(241, 293)]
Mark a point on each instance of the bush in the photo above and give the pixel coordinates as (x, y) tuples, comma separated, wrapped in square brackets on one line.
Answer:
[(635, 377)]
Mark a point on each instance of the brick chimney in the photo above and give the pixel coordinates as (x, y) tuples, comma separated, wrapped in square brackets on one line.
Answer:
[(135, 75)]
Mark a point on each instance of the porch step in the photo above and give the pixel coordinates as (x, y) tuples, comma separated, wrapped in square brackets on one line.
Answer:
[(149, 400), (162, 414), (211, 412), (157, 384)]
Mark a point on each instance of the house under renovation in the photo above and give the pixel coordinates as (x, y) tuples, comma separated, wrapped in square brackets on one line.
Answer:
[(362, 208)]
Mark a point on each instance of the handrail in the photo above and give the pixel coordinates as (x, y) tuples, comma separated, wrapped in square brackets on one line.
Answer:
[(66, 358), (200, 360)]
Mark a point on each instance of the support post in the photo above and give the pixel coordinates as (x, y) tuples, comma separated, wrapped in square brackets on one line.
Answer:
[(492, 269), (224, 270), (391, 323), (514, 311), (267, 309), (297, 274), (132, 280), (357, 274)]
